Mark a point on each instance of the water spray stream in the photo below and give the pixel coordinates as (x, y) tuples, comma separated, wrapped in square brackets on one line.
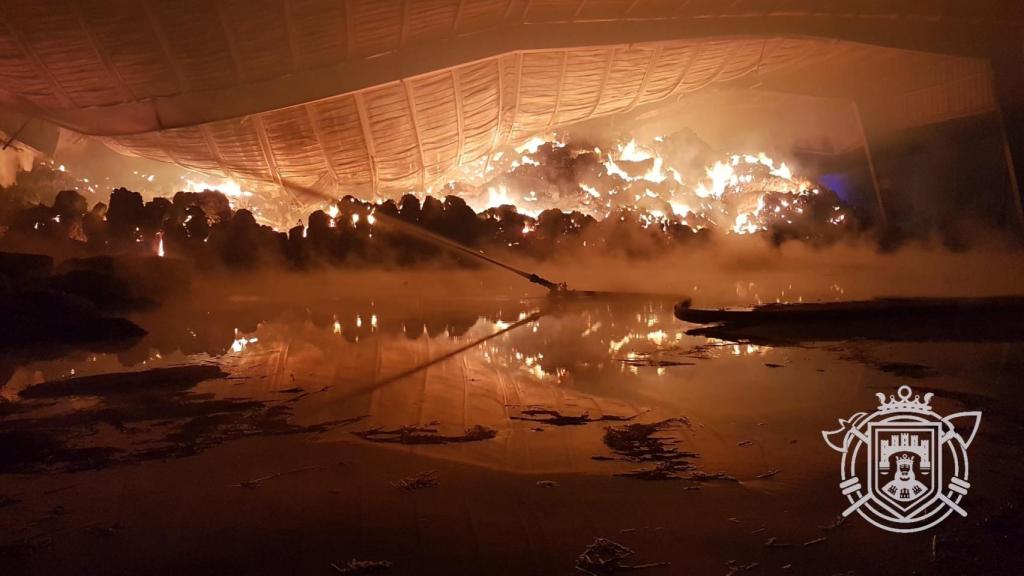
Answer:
[(424, 234)]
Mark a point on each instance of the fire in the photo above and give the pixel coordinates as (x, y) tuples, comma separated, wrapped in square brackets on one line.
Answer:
[(738, 193), (241, 342)]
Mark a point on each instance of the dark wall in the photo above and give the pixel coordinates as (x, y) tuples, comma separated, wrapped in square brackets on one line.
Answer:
[(949, 178)]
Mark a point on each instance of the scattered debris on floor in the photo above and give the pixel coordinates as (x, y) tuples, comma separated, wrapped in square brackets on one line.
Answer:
[(356, 567), (815, 541), (642, 444), (425, 435), (556, 418), (735, 567), (700, 476), (773, 542), (547, 484), (605, 556), (305, 394), (745, 443), (417, 482), (649, 360), (154, 414)]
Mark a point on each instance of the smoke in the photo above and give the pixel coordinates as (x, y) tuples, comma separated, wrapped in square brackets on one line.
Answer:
[(731, 271), (12, 161)]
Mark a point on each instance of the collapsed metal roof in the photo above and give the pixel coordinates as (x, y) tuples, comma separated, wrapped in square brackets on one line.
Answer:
[(388, 96)]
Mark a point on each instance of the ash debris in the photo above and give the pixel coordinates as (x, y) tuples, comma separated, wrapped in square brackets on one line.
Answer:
[(648, 444), (554, 417), (604, 556), (425, 435), (146, 415)]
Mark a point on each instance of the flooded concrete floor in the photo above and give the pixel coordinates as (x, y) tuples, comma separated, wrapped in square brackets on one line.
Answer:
[(470, 435)]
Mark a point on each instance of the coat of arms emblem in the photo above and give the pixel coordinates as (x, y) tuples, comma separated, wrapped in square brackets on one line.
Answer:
[(904, 467)]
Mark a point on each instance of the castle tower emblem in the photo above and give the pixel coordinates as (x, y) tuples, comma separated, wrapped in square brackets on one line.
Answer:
[(904, 467)]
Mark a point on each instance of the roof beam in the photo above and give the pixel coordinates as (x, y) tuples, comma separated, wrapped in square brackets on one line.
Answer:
[(314, 120), (268, 153), (604, 80), (58, 90), (561, 88), (200, 106), (410, 97), (655, 57), (364, 126), (458, 114)]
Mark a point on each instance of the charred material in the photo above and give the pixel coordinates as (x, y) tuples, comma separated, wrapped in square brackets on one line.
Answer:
[(152, 414), (604, 556), (35, 318), (643, 444), (893, 319), (425, 435), (556, 418)]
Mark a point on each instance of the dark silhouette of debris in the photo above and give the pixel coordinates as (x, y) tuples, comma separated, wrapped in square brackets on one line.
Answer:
[(640, 443), (653, 362), (425, 435), (418, 482), (177, 422), (355, 567), (173, 378), (556, 418), (605, 556), (890, 320)]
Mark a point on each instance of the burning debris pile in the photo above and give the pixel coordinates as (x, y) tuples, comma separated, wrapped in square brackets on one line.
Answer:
[(662, 182), (627, 201)]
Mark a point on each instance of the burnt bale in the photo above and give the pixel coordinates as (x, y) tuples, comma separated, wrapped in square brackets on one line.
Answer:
[(70, 204), (122, 282), (17, 269), (53, 318), (125, 213)]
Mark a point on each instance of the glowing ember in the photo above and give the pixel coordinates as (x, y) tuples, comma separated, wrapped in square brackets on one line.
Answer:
[(240, 343)]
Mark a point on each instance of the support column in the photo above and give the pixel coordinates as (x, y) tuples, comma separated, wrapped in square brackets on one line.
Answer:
[(882, 219), (1008, 84)]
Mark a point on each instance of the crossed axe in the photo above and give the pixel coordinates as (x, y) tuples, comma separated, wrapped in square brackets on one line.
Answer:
[(840, 439)]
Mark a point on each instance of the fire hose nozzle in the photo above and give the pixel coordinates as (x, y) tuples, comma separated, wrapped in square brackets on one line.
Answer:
[(554, 287)]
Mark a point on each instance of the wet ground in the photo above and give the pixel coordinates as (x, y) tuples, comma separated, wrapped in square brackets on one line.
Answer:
[(475, 434)]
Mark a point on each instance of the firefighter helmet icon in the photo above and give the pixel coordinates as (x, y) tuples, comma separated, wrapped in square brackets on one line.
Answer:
[(904, 467)]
